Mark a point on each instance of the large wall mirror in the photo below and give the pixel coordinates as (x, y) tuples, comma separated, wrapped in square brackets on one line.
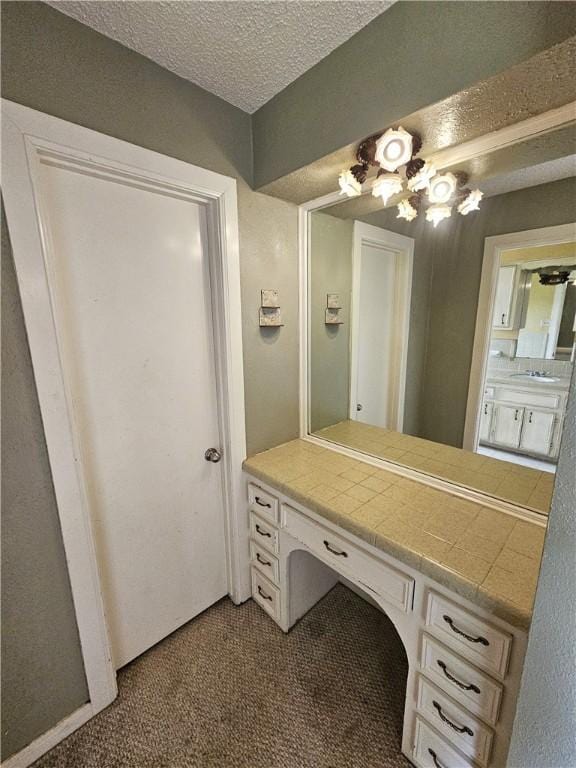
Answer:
[(449, 349)]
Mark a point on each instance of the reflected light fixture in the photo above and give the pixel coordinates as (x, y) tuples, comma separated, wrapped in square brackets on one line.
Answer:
[(386, 185), (349, 185), (393, 149), (442, 187), (471, 202), (436, 213)]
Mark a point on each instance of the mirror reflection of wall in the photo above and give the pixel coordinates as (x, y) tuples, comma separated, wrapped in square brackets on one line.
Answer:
[(426, 366)]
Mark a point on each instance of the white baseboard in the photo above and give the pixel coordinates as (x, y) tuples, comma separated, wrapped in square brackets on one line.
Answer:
[(50, 739)]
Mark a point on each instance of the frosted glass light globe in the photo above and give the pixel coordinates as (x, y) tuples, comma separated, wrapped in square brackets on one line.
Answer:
[(436, 213), (442, 187), (471, 202), (349, 185), (387, 185), (393, 149)]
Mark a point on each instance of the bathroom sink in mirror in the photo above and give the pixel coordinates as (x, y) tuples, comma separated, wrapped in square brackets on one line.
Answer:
[(447, 347)]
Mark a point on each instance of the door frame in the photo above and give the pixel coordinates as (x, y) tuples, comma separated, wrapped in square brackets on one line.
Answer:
[(366, 234), (29, 136), (493, 248)]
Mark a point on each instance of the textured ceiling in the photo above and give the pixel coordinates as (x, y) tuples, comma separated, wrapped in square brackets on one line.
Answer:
[(244, 51)]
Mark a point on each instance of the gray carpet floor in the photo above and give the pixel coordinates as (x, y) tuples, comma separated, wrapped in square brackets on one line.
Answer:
[(230, 690)]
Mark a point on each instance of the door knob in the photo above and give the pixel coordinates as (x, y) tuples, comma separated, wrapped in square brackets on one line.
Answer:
[(213, 455)]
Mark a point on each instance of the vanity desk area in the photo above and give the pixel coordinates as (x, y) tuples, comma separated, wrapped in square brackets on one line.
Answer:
[(457, 580)]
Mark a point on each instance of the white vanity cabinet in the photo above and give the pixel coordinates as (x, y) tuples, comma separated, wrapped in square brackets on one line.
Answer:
[(505, 303), (525, 419), (506, 425), (537, 431), (464, 664)]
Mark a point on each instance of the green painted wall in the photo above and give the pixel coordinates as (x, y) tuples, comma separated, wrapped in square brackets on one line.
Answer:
[(330, 272), (56, 65), (454, 296), (42, 670), (446, 283), (413, 55)]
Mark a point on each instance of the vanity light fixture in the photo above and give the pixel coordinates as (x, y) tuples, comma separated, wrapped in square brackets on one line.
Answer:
[(349, 185), (393, 149), (471, 202), (386, 185), (394, 153), (406, 210), (436, 213), (442, 187)]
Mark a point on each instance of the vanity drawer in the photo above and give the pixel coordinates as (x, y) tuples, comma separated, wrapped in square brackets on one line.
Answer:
[(263, 503), (478, 641), (263, 533), (266, 594), (431, 751), (477, 692), (458, 726), (535, 399), (264, 562), (392, 585)]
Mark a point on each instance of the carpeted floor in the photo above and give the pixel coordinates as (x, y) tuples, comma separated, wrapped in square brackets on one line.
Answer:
[(230, 690)]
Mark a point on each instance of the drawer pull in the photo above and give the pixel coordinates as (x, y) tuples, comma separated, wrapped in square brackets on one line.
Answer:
[(261, 559), (457, 728), (454, 628), (464, 686), (263, 594), (261, 503), (437, 763), (334, 551), (262, 532)]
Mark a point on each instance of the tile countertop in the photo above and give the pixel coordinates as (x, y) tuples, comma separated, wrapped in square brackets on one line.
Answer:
[(503, 479), (487, 556)]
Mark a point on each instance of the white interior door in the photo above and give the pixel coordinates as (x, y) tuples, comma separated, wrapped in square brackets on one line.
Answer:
[(130, 286), (376, 334), (382, 281)]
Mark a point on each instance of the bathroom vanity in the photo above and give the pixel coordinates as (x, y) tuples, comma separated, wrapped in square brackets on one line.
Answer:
[(524, 413), (457, 580)]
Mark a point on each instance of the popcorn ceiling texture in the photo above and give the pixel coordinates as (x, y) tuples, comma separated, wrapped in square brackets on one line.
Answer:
[(241, 50)]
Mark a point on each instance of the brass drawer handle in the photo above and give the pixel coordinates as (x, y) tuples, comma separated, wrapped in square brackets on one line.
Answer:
[(334, 551), (457, 728), (261, 559), (434, 756), (262, 532), (464, 686), (261, 503), (263, 594), (454, 628)]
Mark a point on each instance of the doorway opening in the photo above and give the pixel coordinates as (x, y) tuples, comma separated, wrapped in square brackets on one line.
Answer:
[(382, 263)]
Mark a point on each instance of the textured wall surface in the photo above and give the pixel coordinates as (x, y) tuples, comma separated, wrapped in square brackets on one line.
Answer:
[(330, 272), (225, 46), (42, 671), (56, 65), (415, 54), (544, 734)]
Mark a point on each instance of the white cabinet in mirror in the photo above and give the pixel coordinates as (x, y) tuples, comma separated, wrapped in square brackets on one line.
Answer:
[(457, 359)]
